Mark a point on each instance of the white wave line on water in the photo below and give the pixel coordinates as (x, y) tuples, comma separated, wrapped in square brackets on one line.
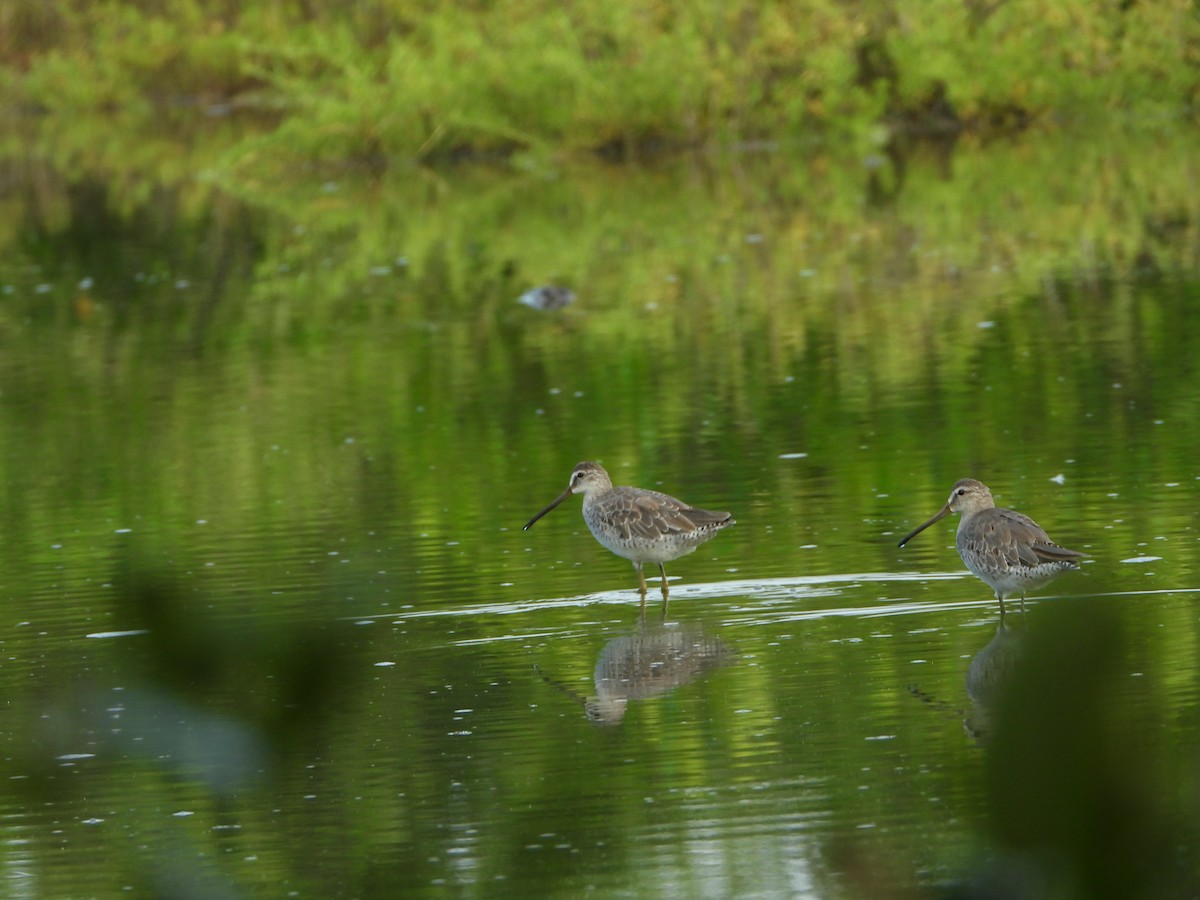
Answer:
[(860, 612), (921, 606), (752, 616), (786, 587), (501, 638), (758, 589), (1195, 590), (106, 635)]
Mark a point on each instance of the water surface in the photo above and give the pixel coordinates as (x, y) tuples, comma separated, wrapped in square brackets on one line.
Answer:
[(274, 626)]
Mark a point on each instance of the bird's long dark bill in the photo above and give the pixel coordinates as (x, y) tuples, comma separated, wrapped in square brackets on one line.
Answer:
[(942, 513), (559, 499)]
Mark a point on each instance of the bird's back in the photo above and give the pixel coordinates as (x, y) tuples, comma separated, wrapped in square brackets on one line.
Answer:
[(1010, 551), (650, 526)]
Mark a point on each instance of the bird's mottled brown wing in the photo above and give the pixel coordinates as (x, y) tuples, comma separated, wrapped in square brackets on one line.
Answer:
[(1026, 541), (1001, 538), (1048, 551), (650, 514)]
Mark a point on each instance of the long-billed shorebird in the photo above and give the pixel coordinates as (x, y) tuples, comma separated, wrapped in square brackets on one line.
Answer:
[(641, 525), (1007, 550)]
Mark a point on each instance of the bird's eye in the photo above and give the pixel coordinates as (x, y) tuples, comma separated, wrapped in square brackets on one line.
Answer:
[(962, 492)]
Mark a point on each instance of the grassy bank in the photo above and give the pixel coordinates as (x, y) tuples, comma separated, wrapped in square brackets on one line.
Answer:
[(397, 79)]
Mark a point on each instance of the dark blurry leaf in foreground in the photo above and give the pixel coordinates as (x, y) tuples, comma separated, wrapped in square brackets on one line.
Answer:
[(1085, 793)]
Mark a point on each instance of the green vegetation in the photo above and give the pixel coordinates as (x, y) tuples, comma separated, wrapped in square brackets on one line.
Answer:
[(387, 80)]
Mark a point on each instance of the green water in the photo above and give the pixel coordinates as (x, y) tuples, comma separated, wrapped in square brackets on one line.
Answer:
[(274, 628)]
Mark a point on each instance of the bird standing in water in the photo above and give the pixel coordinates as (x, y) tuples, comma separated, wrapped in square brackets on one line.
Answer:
[(1005, 549), (641, 525)]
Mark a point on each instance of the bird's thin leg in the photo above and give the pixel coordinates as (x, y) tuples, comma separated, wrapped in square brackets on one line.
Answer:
[(662, 570), (641, 580), (1022, 604), (1000, 597)]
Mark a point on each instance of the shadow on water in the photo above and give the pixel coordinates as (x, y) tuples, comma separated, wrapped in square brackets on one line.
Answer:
[(655, 659)]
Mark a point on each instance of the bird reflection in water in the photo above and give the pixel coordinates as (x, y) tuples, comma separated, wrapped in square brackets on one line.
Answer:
[(654, 660), (989, 677), (988, 680)]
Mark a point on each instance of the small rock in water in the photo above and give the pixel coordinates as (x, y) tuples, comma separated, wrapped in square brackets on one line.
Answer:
[(548, 296)]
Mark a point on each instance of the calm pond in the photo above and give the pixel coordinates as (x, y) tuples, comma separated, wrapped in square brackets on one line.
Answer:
[(274, 629)]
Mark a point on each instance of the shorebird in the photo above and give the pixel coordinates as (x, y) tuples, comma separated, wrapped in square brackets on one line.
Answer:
[(548, 296), (641, 525), (1007, 550)]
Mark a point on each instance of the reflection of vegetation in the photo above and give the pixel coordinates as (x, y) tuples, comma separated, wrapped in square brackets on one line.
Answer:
[(391, 78), (398, 298), (313, 400)]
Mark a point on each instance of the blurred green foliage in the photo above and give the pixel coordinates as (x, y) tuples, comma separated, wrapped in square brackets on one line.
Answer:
[(400, 80)]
